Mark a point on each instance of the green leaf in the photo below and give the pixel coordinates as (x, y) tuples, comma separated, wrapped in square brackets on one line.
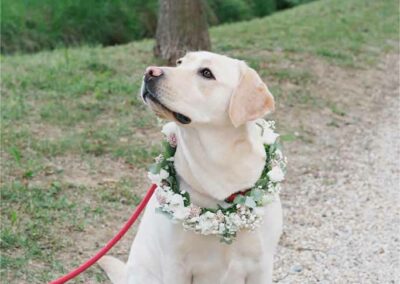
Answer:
[(169, 150), (226, 241), (257, 194), (29, 174), (13, 217), (249, 202), (173, 184), (186, 200), (240, 199), (155, 168)]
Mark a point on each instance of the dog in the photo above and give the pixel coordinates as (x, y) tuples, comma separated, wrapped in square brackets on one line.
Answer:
[(213, 102)]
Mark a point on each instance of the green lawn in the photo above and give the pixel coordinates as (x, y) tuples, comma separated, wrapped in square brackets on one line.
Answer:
[(73, 116)]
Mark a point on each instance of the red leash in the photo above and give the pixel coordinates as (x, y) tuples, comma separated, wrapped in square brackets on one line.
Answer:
[(111, 243)]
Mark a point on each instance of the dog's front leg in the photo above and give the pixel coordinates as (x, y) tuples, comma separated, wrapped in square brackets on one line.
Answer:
[(171, 272), (264, 274), (141, 275), (176, 273)]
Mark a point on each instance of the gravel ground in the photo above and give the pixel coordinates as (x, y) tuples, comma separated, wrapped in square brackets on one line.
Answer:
[(341, 199)]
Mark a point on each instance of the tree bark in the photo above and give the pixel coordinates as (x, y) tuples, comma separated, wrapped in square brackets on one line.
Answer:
[(182, 26)]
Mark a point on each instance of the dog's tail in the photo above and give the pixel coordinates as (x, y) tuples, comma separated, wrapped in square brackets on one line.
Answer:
[(115, 269)]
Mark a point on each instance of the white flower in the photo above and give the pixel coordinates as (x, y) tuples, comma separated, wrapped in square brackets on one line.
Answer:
[(163, 194), (207, 223), (276, 174), (181, 212), (169, 128), (157, 178), (278, 154), (176, 199), (164, 174), (209, 215), (235, 219), (269, 136), (154, 178)]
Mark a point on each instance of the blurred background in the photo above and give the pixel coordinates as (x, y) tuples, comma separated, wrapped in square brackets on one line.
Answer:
[(33, 25), (76, 139)]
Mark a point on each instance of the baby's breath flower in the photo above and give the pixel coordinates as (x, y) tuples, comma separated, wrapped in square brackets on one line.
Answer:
[(276, 174), (269, 136), (231, 218)]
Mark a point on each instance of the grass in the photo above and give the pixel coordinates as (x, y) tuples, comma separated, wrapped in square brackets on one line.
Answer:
[(75, 137), (31, 26)]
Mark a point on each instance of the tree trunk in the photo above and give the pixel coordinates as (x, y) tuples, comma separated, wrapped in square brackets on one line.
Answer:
[(182, 26)]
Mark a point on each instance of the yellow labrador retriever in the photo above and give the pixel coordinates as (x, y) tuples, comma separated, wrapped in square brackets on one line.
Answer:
[(214, 101)]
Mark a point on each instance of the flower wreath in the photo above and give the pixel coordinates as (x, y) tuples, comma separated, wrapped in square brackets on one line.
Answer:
[(245, 212)]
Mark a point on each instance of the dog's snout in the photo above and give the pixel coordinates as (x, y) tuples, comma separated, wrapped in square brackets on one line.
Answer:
[(152, 72)]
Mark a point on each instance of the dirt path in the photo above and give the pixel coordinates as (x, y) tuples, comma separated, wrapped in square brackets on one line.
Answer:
[(341, 200), (341, 214)]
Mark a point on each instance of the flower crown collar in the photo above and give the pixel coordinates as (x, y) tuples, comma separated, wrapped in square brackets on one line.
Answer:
[(240, 211)]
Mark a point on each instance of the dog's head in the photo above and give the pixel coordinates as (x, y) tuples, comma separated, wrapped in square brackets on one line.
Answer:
[(207, 88)]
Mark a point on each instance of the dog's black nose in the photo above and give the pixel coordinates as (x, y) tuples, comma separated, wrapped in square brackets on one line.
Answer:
[(152, 72)]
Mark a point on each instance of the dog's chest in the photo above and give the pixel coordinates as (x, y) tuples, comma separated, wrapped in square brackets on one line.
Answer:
[(205, 256), (163, 248)]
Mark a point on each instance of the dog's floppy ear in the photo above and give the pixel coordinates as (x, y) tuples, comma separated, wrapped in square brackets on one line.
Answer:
[(251, 99)]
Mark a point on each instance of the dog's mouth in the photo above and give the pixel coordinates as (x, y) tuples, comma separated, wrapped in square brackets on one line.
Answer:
[(148, 95)]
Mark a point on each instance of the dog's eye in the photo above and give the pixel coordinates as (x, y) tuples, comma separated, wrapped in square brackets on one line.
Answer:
[(206, 73), (179, 61)]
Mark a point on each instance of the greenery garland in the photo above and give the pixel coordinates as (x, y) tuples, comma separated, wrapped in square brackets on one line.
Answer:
[(245, 212)]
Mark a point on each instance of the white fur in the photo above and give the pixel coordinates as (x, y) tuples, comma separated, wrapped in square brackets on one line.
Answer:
[(214, 159)]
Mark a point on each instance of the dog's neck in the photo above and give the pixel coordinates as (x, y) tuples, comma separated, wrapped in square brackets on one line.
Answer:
[(215, 162)]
